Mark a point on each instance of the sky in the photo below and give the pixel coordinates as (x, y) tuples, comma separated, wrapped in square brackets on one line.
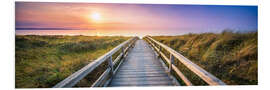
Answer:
[(132, 19)]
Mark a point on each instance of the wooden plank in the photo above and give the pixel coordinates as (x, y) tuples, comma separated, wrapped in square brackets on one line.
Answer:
[(141, 79), (134, 70), (140, 75), (206, 76), (143, 83), (145, 72), (141, 66)]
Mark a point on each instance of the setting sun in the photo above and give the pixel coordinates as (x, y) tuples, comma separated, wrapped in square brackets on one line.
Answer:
[(95, 16)]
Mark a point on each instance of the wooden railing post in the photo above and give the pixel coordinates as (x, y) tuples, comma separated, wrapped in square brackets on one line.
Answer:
[(171, 63), (110, 63), (160, 50), (123, 50), (132, 44)]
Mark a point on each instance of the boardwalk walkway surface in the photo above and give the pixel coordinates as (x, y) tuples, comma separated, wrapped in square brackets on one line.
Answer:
[(141, 68)]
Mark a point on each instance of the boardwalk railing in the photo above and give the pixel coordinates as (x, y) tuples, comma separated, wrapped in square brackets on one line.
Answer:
[(174, 55), (106, 76)]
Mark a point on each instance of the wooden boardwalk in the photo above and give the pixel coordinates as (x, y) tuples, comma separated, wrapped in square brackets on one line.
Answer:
[(141, 68), (137, 64)]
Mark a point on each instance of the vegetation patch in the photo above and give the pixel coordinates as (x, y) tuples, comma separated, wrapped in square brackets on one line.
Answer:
[(43, 61), (231, 56)]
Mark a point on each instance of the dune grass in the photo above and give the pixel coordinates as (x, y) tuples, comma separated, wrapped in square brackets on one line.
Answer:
[(232, 57), (43, 61)]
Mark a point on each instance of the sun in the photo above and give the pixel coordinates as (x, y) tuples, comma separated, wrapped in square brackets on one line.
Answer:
[(95, 16)]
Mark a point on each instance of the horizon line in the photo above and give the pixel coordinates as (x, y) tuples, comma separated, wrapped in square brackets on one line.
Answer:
[(52, 29)]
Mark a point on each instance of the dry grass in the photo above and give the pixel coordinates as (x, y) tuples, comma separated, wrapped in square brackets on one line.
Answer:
[(43, 61), (232, 57)]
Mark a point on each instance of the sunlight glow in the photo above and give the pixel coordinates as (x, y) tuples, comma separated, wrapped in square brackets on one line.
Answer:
[(95, 16)]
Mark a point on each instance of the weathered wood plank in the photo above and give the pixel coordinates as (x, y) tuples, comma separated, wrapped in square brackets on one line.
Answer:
[(127, 68), (141, 79), (145, 70), (141, 68), (143, 83), (142, 73)]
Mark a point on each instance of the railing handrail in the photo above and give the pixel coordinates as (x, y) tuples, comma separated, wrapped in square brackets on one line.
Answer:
[(80, 74), (203, 74)]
